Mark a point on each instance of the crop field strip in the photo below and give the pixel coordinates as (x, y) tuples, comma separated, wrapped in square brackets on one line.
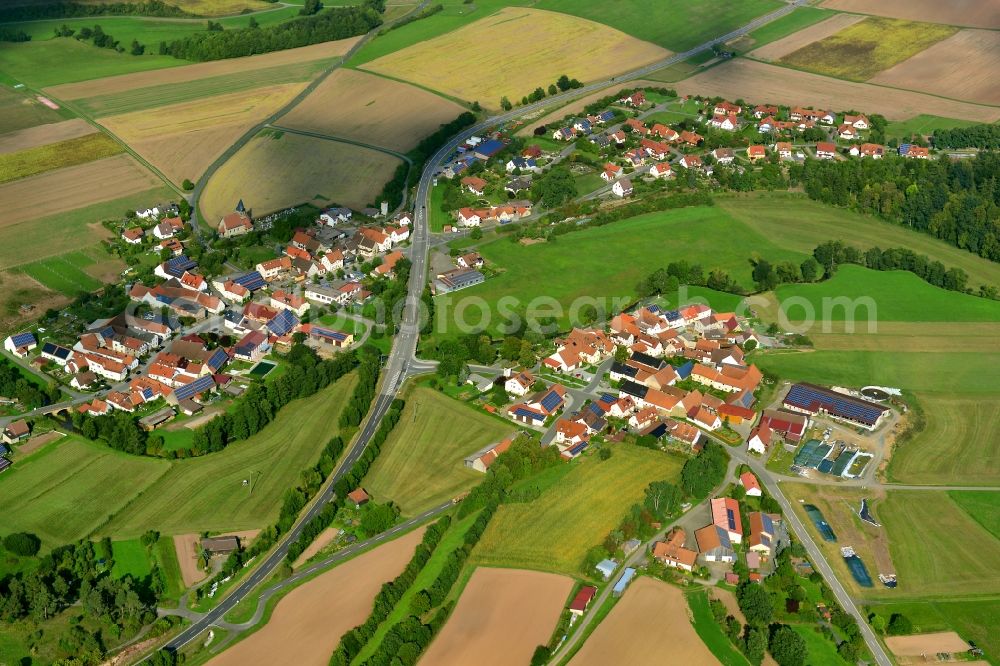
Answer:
[(73, 187), (490, 69), (422, 462), (963, 66), (113, 86), (290, 170), (19, 111), (782, 47), (974, 13), (982, 507), (798, 20), (864, 49), (762, 82), (67, 153), (357, 105), (183, 139), (41, 135), (553, 532), (157, 97), (61, 274)]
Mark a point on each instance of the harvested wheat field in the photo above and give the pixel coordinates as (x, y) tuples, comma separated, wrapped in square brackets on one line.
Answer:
[(577, 106), (472, 63), (796, 40), (372, 109), (501, 617), (650, 621), (182, 140), (186, 547), (73, 187), (972, 13), (306, 625), (759, 82), (964, 66), (41, 135), (920, 644), (176, 75), (271, 174)]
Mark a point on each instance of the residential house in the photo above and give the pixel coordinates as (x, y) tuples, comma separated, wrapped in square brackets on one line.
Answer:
[(482, 459), (474, 185), (723, 155), (762, 110), (872, 150), (611, 172), (388, 265), (520, 383), (762, 533), (518, 184), (536, 409), (672, 552), (726, 515), (332, 260), (470, 260), (578, 347), (638, 98), (281, 299), (725, 108), (847, 132), (661, 170), (20, 344), (56, 353), (826, 150), (728, 122), (914, 152), (750, 484), (756, 152), (564, 134), (168, 227), (859, 122), (636, 126), (759, 440), (273, 268), (470, 217), (784, 150), (622, 188), (15, 431), (655, 149), (133, 235), (690, 162), (619, 137), (664, 132), (252, 347)]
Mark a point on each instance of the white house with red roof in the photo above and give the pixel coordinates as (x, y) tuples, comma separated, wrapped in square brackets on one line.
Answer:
[(750, 484)]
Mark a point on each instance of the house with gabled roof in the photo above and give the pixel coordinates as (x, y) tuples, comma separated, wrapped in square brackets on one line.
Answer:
[(536, 409), (762, 533), (638, 98), (690, 162), (474, 184), (726, 515), (714, 544), (756, 152), (482, 460), (133, 235), (236, 223), (671, 551), (826, 150), (750, 484), (661, 170), (725, 108), (622, 188), (611, 172), (784, 150)]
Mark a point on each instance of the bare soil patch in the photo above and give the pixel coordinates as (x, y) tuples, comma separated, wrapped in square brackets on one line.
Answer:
[(964, 66), (356, 105), (651, 620), (73, 187), (179, 75), (814, 33), (17, 289), (271, 174), (759, 82), (182, 140), (472, 64), (921, 644), (44, 134), (306, 625), (577, 106), (186, 547), (319, 543), (973, 13), (501, 617), (38, 442)]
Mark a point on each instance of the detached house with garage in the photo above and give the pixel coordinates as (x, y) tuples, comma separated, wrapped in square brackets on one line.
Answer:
[(536, 409)]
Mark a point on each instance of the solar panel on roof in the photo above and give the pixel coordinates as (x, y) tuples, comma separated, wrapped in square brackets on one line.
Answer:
[(199, 385), (284, 322), (23, 339), (731, 519), (329, 333), (813, 399), (523, 411), (218, 359), (551, 400), (147, 393), (252, 281), (4, 464)]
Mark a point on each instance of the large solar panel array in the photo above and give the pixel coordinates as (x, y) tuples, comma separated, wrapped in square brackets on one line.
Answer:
[(550, 401), (282, 323), (199, 385), (814, 398), (55, 350), (23, 339), (252, 281)]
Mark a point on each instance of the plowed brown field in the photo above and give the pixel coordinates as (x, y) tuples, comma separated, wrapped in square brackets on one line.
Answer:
[(973, 13), (814, 33), (44, 134)]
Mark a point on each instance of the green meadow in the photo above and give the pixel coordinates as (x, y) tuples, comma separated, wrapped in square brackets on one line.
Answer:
[(802, 17)]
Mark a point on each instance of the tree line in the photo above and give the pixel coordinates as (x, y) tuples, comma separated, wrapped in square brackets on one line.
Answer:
[(66, 9), (13, 384), (977, 136), (328, 25), (956, 201)]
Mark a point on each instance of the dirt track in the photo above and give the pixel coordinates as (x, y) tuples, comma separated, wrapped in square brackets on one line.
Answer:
[(41, 135), (919, 644), (974, 13), (501, 617), (759, 83), (782, 47), (306, 625), (964, 66), (651, 621)]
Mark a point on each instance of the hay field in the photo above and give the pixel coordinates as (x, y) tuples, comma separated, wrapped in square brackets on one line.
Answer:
[(553, 532), (273, 173), (795, 41), (19, 110), (71, 152), (114, 85), (862, 50), (466, 65), (40, 135), (973, 13), (760, 82), (964, 66), (918, 645), (649, 622), (43, 493), (501, 617), (182, 140), (307, 623), (956, 447), (356, 105), (207, 493), (421, 464), (73, 187), (927, 337)]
